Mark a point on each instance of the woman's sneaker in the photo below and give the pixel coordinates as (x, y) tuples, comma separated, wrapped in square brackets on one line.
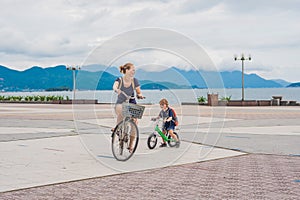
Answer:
[(177, 144), (163, 145)]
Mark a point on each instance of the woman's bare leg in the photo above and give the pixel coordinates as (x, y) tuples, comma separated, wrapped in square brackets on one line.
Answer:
[(118, 110)]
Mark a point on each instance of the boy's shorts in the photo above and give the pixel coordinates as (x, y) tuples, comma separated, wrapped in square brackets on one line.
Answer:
[(169, 126)]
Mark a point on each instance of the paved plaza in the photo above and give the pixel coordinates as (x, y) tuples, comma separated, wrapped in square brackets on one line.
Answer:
[(63, 152)]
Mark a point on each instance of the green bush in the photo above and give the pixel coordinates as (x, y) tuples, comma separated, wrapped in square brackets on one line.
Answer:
[(42, 98), (226, 98), (49, 98), (201, 99), (33, 98)]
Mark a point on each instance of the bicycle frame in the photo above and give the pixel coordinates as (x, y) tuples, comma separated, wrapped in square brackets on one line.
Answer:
[(165, 138)]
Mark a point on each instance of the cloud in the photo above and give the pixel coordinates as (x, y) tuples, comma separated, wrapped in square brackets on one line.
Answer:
[(49, 32), (194, 6)]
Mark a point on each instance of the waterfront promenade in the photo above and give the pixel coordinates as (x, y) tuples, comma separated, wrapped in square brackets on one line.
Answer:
[(63, 152)]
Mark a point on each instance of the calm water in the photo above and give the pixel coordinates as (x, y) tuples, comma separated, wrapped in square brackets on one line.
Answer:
[(178, 96)]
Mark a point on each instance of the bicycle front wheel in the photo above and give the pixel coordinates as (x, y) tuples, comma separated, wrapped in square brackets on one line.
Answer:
[(152, 141), (125, 140)]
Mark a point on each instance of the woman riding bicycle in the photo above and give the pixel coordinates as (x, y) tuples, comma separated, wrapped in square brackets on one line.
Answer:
[(126, 84)]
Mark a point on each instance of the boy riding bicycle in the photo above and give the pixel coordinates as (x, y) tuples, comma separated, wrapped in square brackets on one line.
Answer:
[(168, 117)]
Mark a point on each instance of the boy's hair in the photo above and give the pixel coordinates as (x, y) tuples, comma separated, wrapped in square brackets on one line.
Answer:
[(164, 101)]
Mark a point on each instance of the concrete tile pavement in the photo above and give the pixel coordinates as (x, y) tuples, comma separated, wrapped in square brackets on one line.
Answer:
[(64, 158), (251, 176), (29, 163)]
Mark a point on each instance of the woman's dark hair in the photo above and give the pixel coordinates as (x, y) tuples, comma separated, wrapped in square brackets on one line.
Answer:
[(125, 67)]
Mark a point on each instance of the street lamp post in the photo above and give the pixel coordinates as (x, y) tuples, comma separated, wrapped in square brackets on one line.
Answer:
[(74, 78), (242, 58)]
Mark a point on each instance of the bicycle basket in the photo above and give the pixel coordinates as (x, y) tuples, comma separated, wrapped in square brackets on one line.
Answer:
[(132, 110)]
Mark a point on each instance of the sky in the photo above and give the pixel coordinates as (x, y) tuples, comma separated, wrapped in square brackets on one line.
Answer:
[(47, 33)]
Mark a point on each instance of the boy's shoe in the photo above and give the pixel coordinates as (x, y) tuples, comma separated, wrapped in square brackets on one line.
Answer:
[(163, 145), (177, 144)]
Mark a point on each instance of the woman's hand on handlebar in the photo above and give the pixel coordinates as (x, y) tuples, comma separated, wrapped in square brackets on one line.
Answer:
[(140, 96), (118, 91)]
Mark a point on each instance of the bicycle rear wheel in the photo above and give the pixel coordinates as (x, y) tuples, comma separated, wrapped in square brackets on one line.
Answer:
[(125, 140), (171, 141)]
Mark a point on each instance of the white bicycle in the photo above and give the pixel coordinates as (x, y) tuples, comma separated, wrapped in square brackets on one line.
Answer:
[(125, 136)]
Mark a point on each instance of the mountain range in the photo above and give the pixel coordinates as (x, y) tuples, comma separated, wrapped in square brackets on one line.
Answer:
[(97, 77)]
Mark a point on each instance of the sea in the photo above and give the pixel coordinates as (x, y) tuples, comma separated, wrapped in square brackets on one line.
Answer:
[(176, 96)]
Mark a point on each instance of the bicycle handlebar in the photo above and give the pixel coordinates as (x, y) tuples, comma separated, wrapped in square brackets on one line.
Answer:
[(157, 120), (127, 97), (131, 97)]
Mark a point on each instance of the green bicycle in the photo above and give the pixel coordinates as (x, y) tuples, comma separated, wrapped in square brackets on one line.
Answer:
[(153, 137)]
